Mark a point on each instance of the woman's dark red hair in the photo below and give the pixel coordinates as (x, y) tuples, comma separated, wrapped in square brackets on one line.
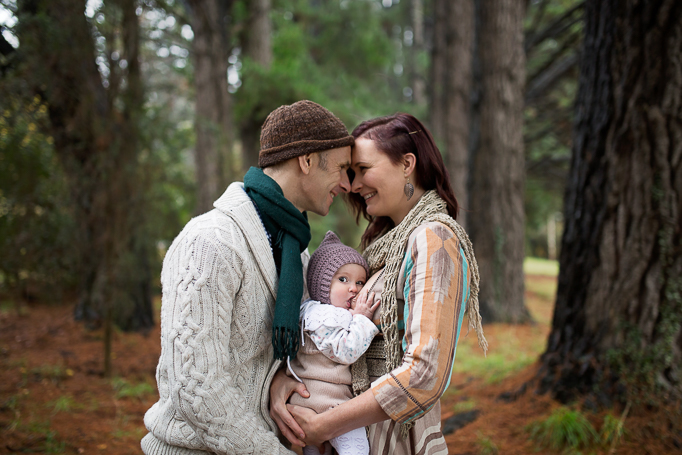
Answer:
[(397, 135)]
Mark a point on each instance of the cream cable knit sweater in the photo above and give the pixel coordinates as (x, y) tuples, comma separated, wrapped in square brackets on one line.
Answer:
[(216, 365)]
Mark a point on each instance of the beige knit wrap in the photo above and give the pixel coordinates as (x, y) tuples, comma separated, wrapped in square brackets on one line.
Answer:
[(388, 252)]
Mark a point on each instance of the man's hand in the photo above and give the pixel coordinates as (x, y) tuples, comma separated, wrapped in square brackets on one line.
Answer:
[(365, 305), (281, 389)]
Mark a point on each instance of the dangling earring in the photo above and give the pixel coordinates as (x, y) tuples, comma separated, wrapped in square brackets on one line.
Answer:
[(409, 189)]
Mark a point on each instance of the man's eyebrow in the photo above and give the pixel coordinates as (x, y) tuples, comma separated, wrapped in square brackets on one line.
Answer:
[(345, 165)]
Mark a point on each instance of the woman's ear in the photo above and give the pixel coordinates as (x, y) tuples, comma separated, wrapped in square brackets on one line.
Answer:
[(305, 162), (409, 163)]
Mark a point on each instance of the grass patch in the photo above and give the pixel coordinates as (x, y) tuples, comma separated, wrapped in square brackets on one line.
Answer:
[(463, 406), (540, 266), (486, 446), (125, 389), (543, 288), (502, 359), (49, 438), (564, 430), (64, 403)]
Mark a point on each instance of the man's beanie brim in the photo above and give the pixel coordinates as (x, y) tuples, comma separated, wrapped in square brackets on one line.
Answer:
[(298, 129)]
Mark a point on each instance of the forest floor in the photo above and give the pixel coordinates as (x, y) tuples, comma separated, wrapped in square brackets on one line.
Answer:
[(53, 398)]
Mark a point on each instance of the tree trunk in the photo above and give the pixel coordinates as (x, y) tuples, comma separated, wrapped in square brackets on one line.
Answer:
[(437, 91), (460, 43), (496, 220), (213, 118), (418, 85), (451, 86), (257, 46), (619, 304), (97, 146)]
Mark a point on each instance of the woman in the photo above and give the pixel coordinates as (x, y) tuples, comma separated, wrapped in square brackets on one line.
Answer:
[(423, 264)]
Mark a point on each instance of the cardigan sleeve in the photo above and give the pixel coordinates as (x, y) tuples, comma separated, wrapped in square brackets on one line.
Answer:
[(202, 381), (340, 336), (435, 274)]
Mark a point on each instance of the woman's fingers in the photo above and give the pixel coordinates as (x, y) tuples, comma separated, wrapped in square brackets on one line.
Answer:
[(305, 417)]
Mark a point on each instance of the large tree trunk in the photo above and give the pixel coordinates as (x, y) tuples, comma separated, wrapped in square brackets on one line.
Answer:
[(619, 300), (257, 46), (213, 118), (496, 221), (451, 87), (97, 146)]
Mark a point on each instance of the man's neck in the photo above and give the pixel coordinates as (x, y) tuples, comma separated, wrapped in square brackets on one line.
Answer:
[(287, 181)]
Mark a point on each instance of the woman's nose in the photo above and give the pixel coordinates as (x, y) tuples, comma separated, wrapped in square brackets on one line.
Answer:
[(357, 184)]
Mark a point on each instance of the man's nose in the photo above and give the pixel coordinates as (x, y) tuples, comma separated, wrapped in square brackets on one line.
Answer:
[(345, 182)]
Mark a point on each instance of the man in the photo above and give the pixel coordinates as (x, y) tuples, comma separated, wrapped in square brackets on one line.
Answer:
[(232, 285)]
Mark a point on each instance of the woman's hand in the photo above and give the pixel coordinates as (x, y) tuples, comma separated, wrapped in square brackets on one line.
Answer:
[(281, 389), (307, 419), (365, 305)]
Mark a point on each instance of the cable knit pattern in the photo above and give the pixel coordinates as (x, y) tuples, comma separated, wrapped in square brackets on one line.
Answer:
[(219, 283)]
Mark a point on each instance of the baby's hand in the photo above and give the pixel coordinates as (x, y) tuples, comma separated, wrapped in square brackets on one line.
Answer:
[(366, 305)]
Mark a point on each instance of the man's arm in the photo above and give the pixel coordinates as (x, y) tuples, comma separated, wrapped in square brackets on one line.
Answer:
[(201, 379)]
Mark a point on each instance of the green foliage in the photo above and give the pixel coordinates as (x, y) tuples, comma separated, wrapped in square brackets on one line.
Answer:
[(125, 389), (36, 226), (548, 118), (564, 430), (486, 446)]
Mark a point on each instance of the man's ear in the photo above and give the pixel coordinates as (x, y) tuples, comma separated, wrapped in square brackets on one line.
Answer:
[(409, 163), (305, 162)]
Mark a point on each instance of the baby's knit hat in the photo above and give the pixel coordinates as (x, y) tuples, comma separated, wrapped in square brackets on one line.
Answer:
[(297, 129), (325, 261)]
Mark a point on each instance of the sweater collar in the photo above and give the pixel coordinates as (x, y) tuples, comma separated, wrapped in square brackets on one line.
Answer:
[(236, 204)]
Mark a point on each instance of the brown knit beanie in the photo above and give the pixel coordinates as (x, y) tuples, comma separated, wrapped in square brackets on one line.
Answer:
[(325, 261), (297, 129)]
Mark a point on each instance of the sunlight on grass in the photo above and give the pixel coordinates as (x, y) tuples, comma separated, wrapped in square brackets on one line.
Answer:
[(504, 356), (540, 266)]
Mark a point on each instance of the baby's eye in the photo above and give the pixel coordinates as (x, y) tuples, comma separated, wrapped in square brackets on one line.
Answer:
[(343, 279), (360, 283)]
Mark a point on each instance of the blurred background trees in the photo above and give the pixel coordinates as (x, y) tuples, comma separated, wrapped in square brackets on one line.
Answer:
[(122, 120)]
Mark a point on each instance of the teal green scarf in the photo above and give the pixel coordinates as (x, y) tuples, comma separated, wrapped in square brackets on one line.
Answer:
[(290, 234)]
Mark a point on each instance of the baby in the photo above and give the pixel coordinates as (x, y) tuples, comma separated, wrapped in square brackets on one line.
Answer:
[(336, 331)]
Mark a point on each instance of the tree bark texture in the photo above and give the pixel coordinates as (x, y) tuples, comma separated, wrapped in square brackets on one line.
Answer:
[(416, 75), (496, 220), (620, 280), (97, 145), (257, 46), (213, 122), (451, 91)]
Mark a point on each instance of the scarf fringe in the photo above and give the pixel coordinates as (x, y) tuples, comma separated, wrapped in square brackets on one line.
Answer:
[(285, 341)]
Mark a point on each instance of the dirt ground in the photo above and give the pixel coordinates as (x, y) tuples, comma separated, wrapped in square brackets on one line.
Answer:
[(53, 398)]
